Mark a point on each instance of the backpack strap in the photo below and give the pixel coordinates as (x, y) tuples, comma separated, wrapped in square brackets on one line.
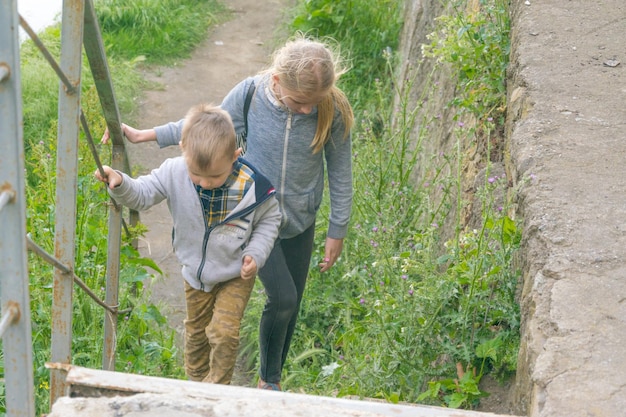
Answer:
[(246, 106), (242, 137)]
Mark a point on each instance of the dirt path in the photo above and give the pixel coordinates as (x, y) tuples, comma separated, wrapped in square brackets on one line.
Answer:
[(234, 50)]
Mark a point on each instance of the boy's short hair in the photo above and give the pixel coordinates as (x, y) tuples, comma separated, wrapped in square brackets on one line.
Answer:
[(208, 135)]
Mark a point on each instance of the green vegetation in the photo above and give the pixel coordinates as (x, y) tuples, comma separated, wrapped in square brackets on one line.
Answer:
[(363, 28), (419, 308), (474, 40)]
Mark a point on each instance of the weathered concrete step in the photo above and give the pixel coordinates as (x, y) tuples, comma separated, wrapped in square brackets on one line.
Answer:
[(97, 393)]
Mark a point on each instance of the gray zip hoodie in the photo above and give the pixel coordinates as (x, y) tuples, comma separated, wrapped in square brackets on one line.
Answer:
[(279, 146), (207, 255)]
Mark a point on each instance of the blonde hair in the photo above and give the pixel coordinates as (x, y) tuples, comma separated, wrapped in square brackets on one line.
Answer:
[(208, 135), (309, 66)]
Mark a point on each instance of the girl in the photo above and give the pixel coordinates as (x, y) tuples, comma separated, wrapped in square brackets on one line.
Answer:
[(297, 122)]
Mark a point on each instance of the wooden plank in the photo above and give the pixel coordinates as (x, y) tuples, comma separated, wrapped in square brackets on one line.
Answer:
[(224, 400)]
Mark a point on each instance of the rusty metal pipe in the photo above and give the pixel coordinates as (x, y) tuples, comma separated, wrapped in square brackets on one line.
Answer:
[(10, 316), (5, 72), (5, 197)]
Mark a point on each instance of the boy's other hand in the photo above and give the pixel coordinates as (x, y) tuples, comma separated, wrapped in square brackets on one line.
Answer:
[(248, 268)]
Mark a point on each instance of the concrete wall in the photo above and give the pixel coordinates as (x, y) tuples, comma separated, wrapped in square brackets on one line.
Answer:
[(566, 144)]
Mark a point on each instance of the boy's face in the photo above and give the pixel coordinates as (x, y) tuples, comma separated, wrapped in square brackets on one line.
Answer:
[(215, 176)]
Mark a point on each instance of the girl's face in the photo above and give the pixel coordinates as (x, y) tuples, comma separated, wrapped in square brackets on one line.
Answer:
[(298, 103)]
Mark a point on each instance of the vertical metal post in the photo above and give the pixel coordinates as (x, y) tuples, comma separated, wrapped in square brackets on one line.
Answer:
[(67, 178), (94, 50), (17, 337), (113, 279)]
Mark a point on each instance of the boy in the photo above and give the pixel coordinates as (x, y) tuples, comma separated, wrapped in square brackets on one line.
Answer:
[(226, 219)]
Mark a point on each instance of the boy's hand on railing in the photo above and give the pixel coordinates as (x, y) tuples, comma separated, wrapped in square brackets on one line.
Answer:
[(111, 177)]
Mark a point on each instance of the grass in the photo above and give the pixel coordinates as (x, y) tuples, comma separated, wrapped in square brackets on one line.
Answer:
[(160, 32), (412, 312)]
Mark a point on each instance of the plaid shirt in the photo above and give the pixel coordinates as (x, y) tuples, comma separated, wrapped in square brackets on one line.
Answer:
[(219, 202)]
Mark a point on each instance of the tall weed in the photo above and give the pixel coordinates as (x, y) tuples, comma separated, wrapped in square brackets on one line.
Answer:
[(474, 40)]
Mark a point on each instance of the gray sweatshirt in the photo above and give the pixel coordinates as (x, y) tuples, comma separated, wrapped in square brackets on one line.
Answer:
[(279, 146), (207, 255)]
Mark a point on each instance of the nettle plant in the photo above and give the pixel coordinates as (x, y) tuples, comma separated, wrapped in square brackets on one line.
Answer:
[(474, 40)]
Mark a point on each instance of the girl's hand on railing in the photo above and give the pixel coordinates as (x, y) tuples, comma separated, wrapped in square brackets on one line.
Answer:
[(133, 135)]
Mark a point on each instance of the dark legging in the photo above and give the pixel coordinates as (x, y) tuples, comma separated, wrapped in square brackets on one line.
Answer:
[(284, 277)]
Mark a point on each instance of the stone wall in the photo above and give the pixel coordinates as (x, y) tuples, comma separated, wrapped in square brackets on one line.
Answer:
[(419, 75), (430, 88), (419, 22), (433, 88), (565, 145)]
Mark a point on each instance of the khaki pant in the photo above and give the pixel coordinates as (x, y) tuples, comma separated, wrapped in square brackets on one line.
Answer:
[(212, 329)]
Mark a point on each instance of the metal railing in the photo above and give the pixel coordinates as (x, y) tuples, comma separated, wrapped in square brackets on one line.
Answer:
[(79, 28), (14, 295)]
